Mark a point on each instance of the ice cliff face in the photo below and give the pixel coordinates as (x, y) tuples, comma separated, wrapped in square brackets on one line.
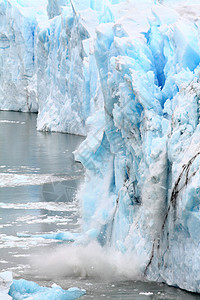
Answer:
[(127, 76), (142, 159), (65, 60), (16, 58)]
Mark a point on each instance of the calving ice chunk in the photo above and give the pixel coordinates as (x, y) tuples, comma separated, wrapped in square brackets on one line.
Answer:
[(126, 75)]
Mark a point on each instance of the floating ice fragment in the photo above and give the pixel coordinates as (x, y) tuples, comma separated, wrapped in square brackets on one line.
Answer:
[(146, 293), (62, 236), (23, 289)]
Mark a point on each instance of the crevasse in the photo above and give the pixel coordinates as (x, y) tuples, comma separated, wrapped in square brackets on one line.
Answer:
[(126, 74)]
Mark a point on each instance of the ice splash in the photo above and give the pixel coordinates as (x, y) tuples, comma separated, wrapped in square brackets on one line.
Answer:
[(88, 261)]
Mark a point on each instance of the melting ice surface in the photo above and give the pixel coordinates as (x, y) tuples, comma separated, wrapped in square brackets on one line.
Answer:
[(126, 74)]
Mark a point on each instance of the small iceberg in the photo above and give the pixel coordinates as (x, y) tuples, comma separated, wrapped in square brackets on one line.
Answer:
[(22, 289), (61, 236)]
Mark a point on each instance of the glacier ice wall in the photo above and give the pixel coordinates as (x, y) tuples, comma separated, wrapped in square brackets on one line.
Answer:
[(47, 61), (47, 65), (142, 159), (126, 74), (65, 58), (67, 76), (16, 58)]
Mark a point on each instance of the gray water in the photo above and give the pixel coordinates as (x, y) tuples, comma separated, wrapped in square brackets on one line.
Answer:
[(38, 183)]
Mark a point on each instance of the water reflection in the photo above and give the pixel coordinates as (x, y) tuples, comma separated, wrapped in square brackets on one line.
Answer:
[(23, 148)]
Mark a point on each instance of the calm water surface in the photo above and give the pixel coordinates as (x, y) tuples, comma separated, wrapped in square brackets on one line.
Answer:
[(38, 183)]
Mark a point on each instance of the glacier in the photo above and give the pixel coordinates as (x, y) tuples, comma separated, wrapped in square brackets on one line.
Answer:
[(125, 74), (142, 160)]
